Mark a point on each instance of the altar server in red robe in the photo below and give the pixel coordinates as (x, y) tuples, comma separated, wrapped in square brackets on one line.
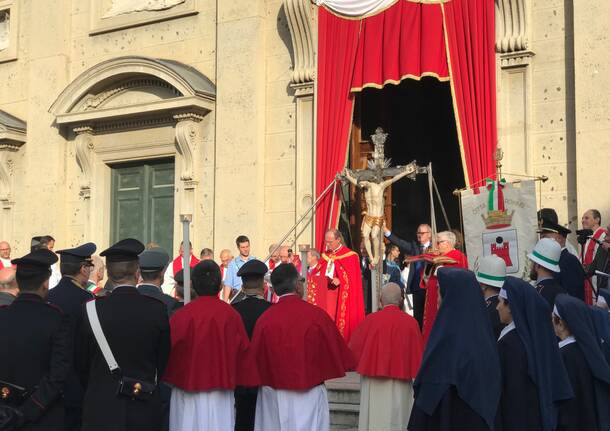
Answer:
[(169, 282), (316, 280), (209, 345), (344, 298), (297, 348), (445, 244), (388, 348)]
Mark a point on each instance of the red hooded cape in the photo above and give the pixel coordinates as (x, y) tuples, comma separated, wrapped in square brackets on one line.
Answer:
[(388, 344), (209, 346), (297, 346)]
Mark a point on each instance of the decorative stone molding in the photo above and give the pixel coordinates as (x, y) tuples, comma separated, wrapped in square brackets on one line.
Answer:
[(93, 102), (12, 137), (187, 133), (83, 144), (511, 25), (300, 21), (303, 89), (516, 59)]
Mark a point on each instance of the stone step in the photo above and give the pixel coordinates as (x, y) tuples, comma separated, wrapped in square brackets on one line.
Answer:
[(344, 396), (344, 414)]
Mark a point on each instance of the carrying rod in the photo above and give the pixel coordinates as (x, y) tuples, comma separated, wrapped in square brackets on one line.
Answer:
[(279, 244)]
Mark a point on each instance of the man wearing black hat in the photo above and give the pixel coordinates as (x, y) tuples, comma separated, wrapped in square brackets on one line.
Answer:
[(153, 263), (572, 275), (70, 294), (36, 349), (136, 329), (250, 309)]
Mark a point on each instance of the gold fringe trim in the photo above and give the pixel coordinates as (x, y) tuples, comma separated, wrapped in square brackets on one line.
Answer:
[(454, 101), (398, 81)]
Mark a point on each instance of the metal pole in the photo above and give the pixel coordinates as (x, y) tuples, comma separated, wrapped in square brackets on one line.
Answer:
[(186, 255), (304, 248), (432, 213), (294, 226)]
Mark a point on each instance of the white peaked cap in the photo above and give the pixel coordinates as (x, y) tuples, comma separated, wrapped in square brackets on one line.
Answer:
[(491, 271), (546, 254)]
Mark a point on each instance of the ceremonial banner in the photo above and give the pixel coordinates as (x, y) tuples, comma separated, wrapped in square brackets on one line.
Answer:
[(501, 219)]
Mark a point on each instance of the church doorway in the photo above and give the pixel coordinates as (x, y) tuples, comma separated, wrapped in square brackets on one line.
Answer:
[(419, 118), (143, 202)]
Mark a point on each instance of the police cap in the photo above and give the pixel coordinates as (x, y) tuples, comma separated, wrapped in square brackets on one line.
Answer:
[(153, 260), (252, 269), (82, 253), (35, 263), (126, 250)]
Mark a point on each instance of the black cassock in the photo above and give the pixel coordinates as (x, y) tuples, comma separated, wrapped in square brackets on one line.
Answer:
[(451, 414), (519, 404), (250, 309), (590, 395)]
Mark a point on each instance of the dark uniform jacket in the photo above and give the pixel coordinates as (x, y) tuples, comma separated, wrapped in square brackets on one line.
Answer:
[(70, 297), (37, 353), (549, 288), (496, 325), (6, 298), (572, 275), (250, 309), (137, 330), (171, 304)]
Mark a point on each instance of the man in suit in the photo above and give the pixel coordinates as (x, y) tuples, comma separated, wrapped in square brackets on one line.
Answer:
[(36, 348), (414, 248), (136, 328), (153, 263), (69, 295)]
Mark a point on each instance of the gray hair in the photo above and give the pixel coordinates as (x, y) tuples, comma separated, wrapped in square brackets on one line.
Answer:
[(315, 253), (391, 294), (447, 235)]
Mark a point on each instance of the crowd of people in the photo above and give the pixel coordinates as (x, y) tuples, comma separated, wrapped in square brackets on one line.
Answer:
[(254, 347)]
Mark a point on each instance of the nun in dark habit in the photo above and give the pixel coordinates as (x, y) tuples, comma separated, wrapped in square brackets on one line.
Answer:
[(458, 384), (601, 319), (587, 368), (534, 379)]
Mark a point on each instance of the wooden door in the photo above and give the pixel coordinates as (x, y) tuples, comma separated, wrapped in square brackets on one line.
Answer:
[(143, 202)]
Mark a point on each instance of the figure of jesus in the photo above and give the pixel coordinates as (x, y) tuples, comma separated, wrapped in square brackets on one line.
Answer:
[(374, 216)]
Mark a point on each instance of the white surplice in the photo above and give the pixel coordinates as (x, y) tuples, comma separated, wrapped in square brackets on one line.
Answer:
[(209, 410), (385, 404), (283, 410)]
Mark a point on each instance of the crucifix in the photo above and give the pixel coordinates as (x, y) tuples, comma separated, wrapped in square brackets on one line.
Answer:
[(373, 183)]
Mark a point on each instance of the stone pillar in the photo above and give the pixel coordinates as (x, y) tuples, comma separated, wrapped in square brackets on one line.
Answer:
[(591, 103), (240, 123), (7, 164), (301, 21)]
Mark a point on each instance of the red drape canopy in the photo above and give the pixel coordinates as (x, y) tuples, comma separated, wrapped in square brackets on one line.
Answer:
[(454, 41)]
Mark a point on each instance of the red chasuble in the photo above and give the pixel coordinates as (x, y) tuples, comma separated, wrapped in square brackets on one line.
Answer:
[(589, 251), (177, 263), (388, 344), (297, 346), (345, 304), (209, 345), (316, 286), (431, 307)]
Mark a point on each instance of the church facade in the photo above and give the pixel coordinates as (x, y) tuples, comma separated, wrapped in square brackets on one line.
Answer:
[(119, 116)]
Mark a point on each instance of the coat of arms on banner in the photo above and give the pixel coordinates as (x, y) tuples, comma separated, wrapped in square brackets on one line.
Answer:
[(500, 219), (499, 238)]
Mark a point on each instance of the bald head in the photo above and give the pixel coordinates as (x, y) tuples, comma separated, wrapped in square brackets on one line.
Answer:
[(391, 294), (5, 250), (225, 257), (8, 283)]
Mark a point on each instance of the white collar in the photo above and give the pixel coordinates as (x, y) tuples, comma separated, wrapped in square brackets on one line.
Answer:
[(287, 294), (507, 329), (568, 340)]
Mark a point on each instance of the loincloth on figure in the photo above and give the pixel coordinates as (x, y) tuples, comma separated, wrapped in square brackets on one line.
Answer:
[(372, 221)]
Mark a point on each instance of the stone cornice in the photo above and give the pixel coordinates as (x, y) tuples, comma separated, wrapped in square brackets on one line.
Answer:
[(515, 59)]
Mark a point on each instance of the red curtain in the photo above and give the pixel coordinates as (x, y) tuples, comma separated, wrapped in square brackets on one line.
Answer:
[(470, 33), (337, 41), (404, 41)]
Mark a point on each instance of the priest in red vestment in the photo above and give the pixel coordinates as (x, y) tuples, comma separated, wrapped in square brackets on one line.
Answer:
[(316, 280), (445, 244), (169, 282), (344, 297), (388, 348), (209, 346), (297, 348), (591, 220)]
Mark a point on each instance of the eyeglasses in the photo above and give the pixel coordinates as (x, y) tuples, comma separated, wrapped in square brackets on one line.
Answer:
[(423, 233), (5, 249), (440, 241)]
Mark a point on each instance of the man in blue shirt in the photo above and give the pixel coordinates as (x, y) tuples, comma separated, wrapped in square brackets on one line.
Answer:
[(232, 280)]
